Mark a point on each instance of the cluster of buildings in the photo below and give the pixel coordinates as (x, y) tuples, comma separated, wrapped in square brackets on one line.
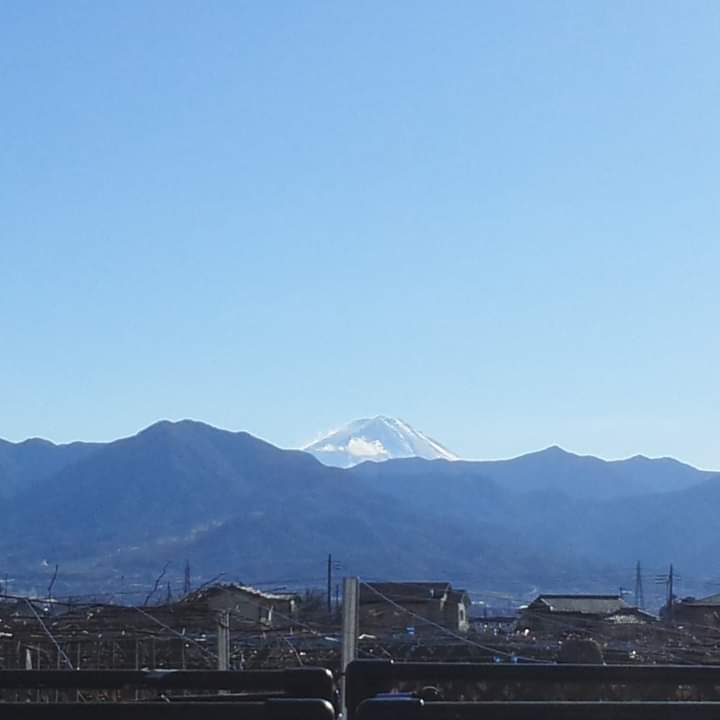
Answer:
[(414, 607), (421, 606), (401, 607)]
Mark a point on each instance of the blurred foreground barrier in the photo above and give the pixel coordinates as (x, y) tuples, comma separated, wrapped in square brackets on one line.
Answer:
[(314, 683), (413, 709), (280, 709), (369, 678)]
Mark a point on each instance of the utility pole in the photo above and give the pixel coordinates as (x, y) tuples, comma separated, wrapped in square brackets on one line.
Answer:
[(186, 584), (350, 627), (669, 582), (330, 567), (639, 594), (223, 640), (329, 585)]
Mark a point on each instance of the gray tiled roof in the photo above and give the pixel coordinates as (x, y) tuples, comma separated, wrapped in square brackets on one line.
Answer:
[(583, 604), (402, 592)]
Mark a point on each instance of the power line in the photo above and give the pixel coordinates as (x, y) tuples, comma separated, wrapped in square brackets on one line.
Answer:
[(175, 632), (50, 635)]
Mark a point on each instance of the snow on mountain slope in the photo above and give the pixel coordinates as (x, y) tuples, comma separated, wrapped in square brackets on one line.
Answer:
[(379, 438)]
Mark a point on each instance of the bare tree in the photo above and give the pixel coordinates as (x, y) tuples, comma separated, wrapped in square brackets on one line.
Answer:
[(156, 586)]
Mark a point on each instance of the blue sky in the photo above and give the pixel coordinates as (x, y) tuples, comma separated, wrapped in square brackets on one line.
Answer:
[(497, 220)]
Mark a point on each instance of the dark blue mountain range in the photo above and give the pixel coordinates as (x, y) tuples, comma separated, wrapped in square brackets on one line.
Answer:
[(230, 503)]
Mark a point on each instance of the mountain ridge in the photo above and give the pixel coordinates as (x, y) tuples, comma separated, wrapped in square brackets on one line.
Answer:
[(217, 498), (38, 441), (230, 502)]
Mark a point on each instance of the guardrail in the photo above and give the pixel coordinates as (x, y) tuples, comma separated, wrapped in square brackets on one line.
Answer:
[(371, 692), (292, 683), (281, 709), (413, 709), (367, 678)]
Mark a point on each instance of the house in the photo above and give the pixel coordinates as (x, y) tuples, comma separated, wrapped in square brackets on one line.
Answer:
[(413, 607), (245, 604), (558, 613), (703, 611)]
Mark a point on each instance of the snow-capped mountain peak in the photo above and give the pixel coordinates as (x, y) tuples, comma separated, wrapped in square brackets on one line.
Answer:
[(379, 438)]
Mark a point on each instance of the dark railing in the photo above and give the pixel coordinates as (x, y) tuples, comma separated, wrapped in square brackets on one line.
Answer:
[(413, 709), (367, 679), (293, 683), (295, 694), (375, 690), (281, 709)]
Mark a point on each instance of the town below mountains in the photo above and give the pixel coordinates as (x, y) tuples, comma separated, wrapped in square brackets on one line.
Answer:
[(111, 516)]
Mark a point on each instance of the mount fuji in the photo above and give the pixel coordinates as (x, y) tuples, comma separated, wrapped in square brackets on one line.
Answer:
[(377, 439)]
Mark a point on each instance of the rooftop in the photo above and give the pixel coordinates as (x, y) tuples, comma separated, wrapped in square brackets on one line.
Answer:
[(213, 590), (583, 604), (403, 592)]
